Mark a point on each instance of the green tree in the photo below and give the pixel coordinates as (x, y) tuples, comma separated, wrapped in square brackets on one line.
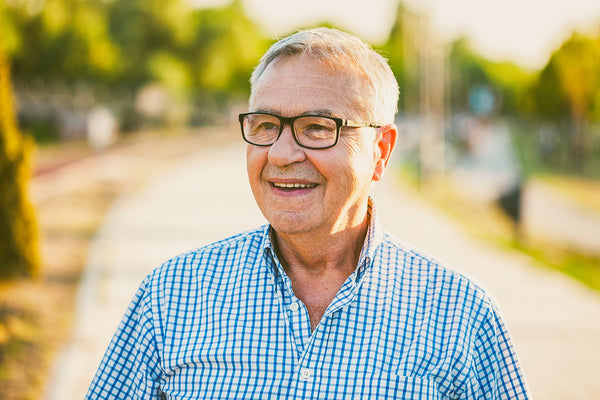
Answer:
[(184, 48), (469, 70), (567, 91), (569, 84), (67, 40), (231, 46), (403, 56), (466, 72), (114, 48), (19, 255)]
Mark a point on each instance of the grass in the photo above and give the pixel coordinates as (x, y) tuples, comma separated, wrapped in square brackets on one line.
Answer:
[(489, 223), (583, 267), (583, 191)]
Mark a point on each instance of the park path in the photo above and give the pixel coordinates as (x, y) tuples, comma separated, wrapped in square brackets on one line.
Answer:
[(554, 320)]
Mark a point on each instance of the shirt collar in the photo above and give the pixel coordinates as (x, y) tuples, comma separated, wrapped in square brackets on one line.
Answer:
[(373, 238)]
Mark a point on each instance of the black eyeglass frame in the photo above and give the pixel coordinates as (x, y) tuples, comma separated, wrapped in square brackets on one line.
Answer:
[(339, 122)]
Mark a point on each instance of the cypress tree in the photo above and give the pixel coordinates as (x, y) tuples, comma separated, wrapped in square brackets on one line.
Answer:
[(19, 253)]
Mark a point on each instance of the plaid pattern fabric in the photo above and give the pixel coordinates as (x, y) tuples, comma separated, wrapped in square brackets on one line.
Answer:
[(222, 322)]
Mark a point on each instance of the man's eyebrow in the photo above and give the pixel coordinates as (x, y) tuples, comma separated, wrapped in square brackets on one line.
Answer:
[(322, 112), (266, 110)]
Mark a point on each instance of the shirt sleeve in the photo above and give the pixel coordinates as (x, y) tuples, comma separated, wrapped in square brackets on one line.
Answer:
[(495, 371), (130, 368)]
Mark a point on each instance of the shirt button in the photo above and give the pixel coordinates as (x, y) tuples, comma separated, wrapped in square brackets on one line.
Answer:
[(305, 374), (294, 307)]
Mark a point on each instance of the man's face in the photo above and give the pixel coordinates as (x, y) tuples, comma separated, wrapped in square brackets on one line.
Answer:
[(303, 190)]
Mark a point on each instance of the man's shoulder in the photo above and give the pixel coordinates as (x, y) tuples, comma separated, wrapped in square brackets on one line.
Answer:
[(427, 271), (449, 297), (223, 254)]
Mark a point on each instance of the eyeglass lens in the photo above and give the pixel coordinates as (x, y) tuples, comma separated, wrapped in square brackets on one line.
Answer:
[(310, 131)]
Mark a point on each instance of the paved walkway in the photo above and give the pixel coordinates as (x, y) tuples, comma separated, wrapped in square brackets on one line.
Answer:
[(555, 321)]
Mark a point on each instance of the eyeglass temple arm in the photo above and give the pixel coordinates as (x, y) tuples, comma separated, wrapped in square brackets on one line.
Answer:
[(354, 124)]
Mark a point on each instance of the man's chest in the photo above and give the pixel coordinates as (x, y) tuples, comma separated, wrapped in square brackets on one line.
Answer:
[(264, 349)]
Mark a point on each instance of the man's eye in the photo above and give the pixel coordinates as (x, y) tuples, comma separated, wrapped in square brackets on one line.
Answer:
[(268, 126), (317, 127)]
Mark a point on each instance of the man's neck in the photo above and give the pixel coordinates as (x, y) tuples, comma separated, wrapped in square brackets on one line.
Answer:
[(318, 265), (318, 252)]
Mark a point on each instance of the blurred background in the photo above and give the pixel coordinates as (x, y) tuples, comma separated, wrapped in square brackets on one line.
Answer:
[(499, 122)]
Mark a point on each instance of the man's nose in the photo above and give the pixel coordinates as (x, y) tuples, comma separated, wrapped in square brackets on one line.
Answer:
[(286, 150)]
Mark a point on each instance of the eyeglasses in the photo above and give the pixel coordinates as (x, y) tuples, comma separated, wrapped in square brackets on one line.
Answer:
[(310, 131)]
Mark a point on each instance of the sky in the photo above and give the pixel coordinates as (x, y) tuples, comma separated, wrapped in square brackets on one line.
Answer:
[(523, 31)]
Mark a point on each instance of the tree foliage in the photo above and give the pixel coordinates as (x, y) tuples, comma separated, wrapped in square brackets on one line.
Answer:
[(469, 70), (120, 46), (566, 94), (18, 231), (569, 85), (402, 52)]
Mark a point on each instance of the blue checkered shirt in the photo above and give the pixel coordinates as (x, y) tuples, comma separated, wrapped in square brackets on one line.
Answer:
[(222, 322)]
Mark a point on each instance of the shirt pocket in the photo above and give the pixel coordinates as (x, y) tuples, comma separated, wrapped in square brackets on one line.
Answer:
[(394, 386)]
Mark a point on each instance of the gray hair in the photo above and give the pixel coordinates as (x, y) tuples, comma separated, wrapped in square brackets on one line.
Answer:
[(340, 49)]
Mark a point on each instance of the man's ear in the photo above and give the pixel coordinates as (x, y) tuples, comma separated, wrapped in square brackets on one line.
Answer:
[(385, 143)]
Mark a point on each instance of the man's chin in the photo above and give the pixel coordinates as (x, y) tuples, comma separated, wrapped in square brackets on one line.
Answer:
[(291, 224)]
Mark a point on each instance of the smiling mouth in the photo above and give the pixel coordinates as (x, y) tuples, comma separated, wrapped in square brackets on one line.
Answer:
[(288, 187)]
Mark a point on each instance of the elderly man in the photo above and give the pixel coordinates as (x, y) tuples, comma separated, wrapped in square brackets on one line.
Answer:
[(321, 303)]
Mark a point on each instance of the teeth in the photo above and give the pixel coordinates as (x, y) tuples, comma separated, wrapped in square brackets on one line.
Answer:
[(294, 185)]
